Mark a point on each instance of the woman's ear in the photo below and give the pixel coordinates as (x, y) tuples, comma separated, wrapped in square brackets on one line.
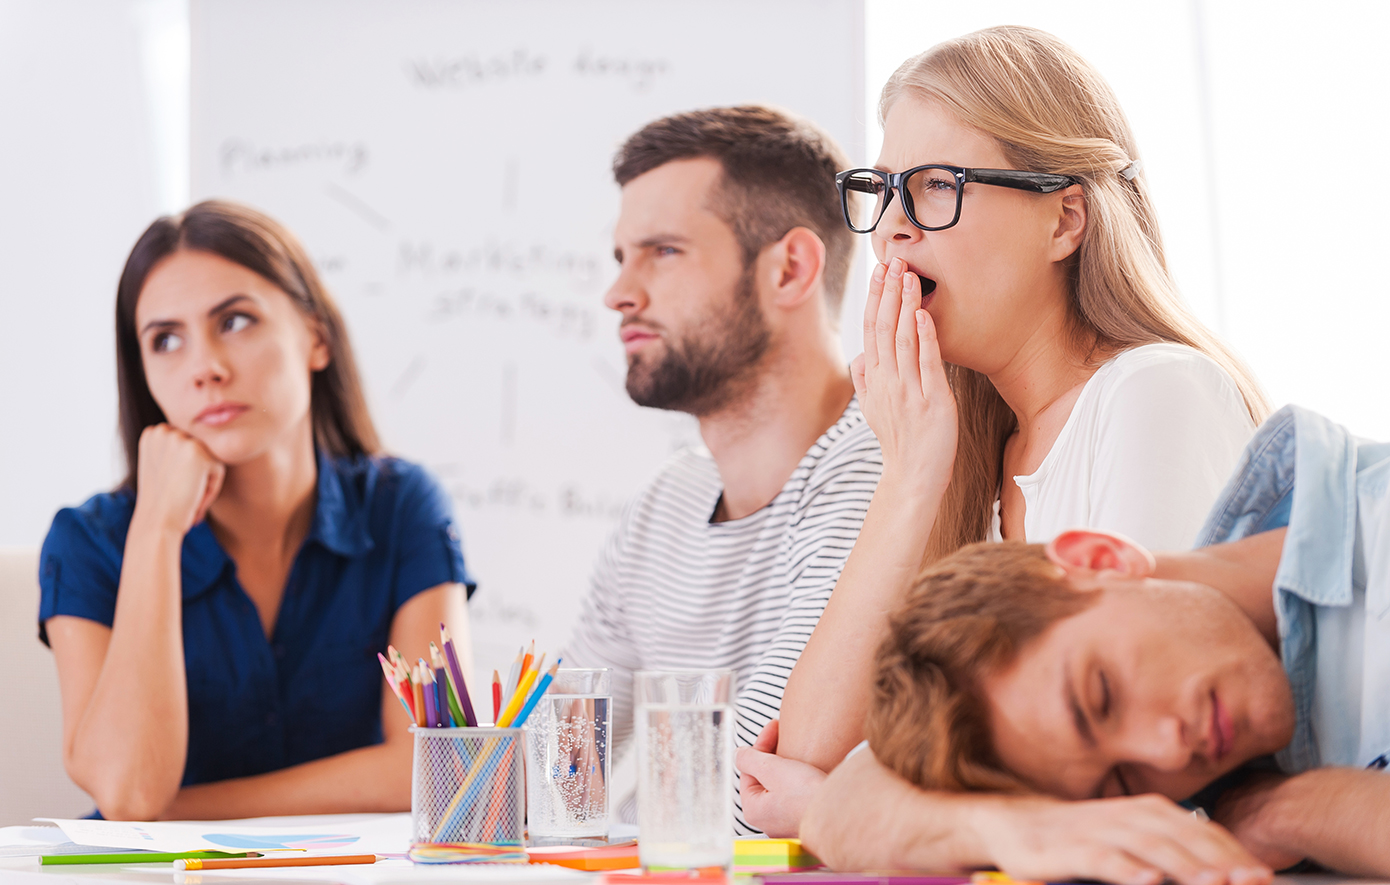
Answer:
[(1071, 223), (1082, 549), (319, 353)]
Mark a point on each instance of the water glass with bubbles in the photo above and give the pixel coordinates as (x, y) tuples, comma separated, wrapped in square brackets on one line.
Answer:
[(684, 724), (568, 760)]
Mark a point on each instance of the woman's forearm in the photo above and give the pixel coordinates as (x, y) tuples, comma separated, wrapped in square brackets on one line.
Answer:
[(828, 692), (864, 817), (129, 740), (1339, 817), (370, 779)]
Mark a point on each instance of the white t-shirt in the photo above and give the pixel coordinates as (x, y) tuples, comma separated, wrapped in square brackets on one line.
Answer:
[(1147, 448), (673, 590)]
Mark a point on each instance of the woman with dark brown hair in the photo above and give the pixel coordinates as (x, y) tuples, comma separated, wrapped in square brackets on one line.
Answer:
[(215, 620)]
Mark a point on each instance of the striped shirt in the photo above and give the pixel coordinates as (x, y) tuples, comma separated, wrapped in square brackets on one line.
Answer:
[(673, 589)]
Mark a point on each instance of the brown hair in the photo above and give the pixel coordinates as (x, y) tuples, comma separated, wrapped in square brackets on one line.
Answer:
[(1051, 111), (338, 409), (779, 173), (967, 617)]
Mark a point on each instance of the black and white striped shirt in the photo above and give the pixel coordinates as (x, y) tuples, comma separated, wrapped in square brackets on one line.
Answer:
[(672, 589)]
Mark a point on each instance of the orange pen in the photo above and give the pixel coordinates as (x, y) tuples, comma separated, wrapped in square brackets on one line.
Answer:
[(240, 863)]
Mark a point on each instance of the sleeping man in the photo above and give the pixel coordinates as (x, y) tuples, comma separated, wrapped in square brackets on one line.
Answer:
[(1092, 669)]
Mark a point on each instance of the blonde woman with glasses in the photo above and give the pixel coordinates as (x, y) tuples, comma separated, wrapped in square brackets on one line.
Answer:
[(1028, 367)]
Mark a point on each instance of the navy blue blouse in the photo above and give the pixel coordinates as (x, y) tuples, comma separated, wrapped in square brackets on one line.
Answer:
[(382, 532)]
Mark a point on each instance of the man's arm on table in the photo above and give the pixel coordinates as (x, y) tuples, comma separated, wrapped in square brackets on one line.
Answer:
[(1339, 817), (866, 817)]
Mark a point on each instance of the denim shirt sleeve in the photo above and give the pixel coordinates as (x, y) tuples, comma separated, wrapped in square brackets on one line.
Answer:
[(1299, 472)]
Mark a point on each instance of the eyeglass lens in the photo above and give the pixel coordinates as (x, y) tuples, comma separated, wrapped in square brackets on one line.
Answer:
[(929, 196)]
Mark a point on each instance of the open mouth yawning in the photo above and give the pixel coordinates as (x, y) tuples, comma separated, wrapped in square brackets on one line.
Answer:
[(928, 286)]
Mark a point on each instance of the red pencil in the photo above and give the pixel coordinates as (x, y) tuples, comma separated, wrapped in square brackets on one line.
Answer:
[(496, 696), (418, 687)]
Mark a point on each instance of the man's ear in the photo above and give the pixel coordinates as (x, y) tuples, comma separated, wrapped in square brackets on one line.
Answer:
[(1100, 551), (794, 267)]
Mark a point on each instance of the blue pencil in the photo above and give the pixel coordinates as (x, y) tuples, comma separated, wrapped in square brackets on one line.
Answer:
[(536, 694), (441, 700)]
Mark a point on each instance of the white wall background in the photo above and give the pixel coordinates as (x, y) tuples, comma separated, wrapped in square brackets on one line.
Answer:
[(1260, 123), (447, 167)]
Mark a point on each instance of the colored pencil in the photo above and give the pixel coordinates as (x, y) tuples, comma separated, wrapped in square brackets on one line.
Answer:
[(427, 680), (445, 674), (513, 676), (390, 672), (403, 679), (526, 662), (496, 696), (441, 700), (447, 700), (519, 698), (536, 695), (417, 688), (253, 862), (796, 878), (493, 820), (456, 681), (442, 708), (140, 857)]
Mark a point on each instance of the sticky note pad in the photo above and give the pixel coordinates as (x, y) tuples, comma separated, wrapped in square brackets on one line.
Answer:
[(772, 855), (621, 856)]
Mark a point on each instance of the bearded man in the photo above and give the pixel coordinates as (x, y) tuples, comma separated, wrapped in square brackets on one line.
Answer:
[(733, 260)]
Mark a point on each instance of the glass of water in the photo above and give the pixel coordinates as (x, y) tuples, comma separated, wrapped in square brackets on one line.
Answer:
[(685, 769), (567, 760)]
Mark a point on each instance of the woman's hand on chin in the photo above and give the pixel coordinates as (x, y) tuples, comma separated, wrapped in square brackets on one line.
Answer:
[(178, 480), (901, 380)]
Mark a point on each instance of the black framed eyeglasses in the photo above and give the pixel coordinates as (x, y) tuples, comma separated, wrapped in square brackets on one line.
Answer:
[(931, 194)]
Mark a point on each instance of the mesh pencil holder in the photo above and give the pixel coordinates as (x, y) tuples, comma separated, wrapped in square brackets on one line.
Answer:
[(468, 785)]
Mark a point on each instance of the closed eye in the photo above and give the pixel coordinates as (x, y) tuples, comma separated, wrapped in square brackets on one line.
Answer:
[(1123, 784)]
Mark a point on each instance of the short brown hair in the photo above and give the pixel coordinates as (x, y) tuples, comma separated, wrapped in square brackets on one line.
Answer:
[(779, 173), (337, 407), (967, 616)]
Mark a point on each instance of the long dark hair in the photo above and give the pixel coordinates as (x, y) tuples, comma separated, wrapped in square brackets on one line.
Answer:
[(338, 409)]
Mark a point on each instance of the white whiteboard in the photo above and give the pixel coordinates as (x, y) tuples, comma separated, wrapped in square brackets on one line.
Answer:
[(447, 165)]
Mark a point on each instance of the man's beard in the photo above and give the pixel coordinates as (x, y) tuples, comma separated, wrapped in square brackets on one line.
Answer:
[(711, 366)]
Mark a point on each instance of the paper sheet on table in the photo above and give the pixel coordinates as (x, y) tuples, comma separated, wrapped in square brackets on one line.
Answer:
[(323, 834), (402, 872)]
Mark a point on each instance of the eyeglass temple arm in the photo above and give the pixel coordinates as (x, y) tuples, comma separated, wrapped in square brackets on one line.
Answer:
[(1042, 182), (862, 186)]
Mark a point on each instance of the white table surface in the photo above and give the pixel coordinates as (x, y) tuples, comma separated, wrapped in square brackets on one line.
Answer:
[(28, 871)]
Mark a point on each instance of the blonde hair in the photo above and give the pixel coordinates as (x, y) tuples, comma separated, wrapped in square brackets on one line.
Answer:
[(1050, 111)]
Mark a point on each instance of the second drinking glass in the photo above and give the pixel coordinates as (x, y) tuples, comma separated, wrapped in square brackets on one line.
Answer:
[(685, 769)]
